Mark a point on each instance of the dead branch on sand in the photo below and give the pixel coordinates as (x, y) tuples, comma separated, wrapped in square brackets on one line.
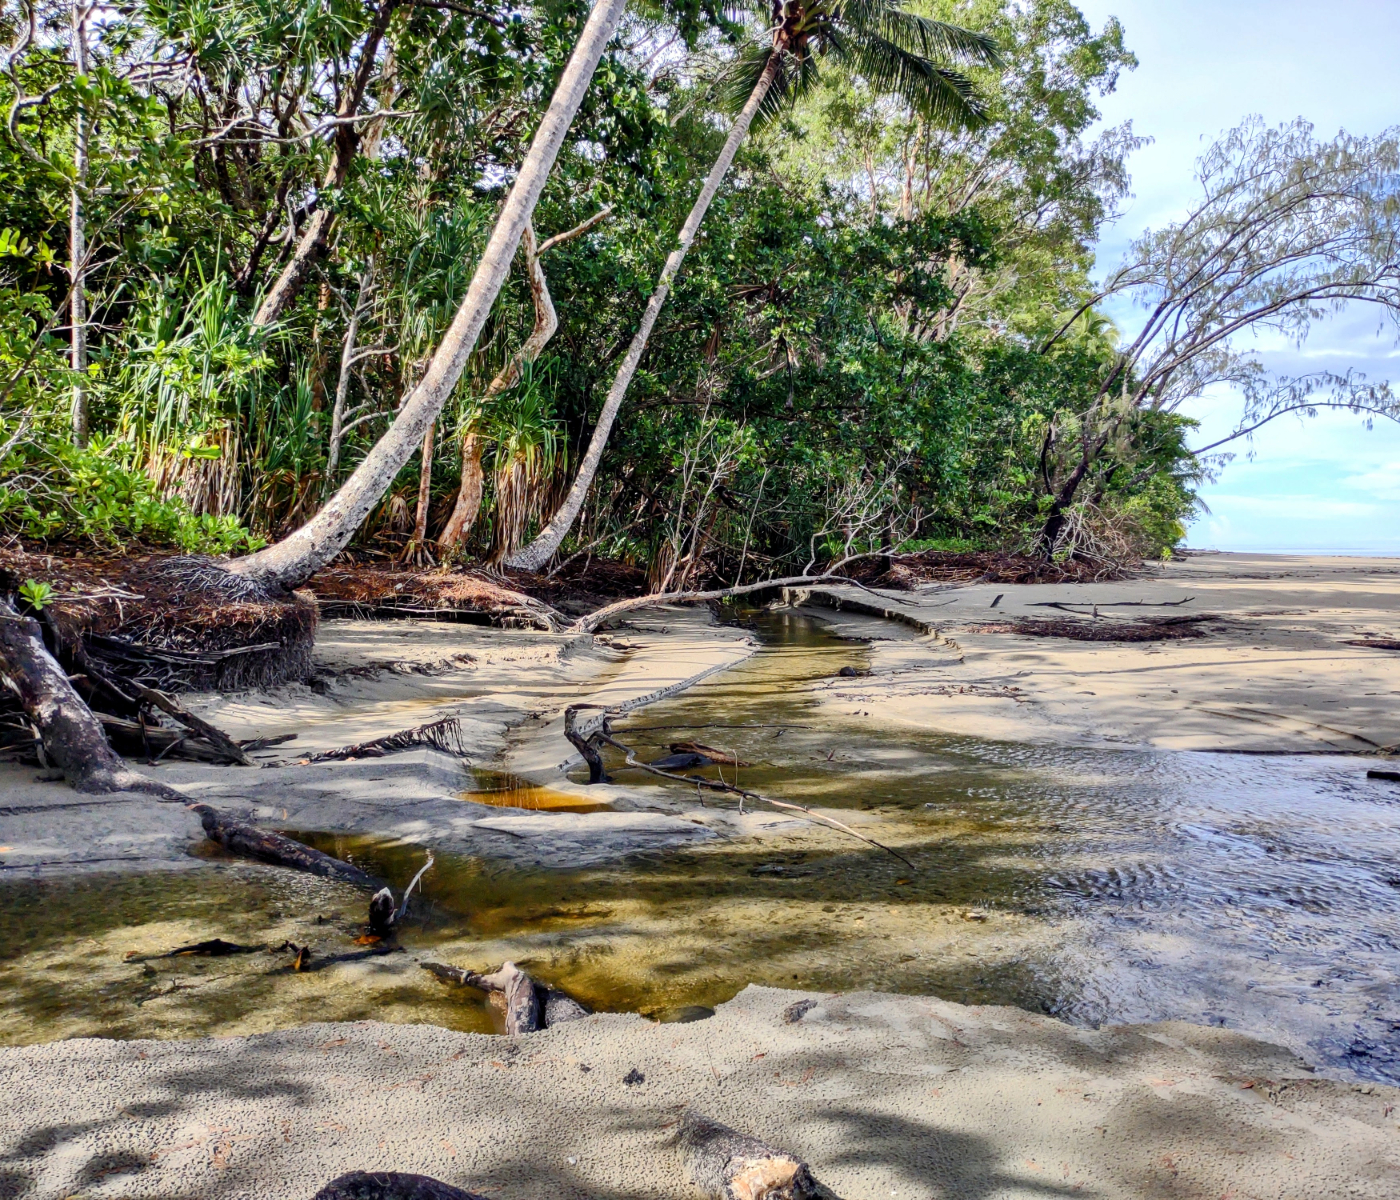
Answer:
[(444, 734), (727, 1165), (587, 745), (528, 1006)]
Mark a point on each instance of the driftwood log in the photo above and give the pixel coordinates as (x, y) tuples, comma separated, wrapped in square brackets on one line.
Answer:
[(585, 743), (728, 1165), (239, 837), (529, 1006), (391, 1185)]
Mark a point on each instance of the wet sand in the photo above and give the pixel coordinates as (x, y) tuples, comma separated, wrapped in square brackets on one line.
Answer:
[(1275, 672), (374, 678)]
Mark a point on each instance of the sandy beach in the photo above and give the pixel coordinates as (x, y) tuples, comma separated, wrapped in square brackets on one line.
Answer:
[(883, 1095), (1277, 668)]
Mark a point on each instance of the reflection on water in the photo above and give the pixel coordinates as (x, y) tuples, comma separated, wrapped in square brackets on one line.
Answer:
[(501, 789), (1101, 885)]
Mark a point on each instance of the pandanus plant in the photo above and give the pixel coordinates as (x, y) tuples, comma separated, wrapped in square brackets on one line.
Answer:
[(896, 52)]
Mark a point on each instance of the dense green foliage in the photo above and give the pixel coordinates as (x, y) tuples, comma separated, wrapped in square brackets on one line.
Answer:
[(852, 359)]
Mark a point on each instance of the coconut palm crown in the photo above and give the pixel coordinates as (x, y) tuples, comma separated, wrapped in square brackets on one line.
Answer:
[(897, 52)]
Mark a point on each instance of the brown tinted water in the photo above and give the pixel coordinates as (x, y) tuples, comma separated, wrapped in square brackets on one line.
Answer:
[(1101, 885)]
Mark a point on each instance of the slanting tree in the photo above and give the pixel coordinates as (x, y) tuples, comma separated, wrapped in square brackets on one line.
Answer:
[(1286, 229), (297, 557), (899, 53)]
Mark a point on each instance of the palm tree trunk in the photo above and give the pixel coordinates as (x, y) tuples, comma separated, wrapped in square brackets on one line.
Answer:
[(468, 506), (77, 241), (296, 558), (417, 552), (543, 548)]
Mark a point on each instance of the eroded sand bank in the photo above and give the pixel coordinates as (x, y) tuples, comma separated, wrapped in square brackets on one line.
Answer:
[(1277, 669), (884, 1095), (373, 678)]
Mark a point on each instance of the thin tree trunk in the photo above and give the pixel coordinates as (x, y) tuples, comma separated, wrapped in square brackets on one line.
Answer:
[(346, 143), (297, 557), (417, 551), (468, 505), (77, 240), (543, 548), (347, 364)]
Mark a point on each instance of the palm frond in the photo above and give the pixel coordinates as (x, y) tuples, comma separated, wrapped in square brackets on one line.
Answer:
[(794, 79), (937, 39), (944, 96)]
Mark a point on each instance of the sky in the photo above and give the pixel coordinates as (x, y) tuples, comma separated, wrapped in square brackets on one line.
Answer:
[(1321, 484)]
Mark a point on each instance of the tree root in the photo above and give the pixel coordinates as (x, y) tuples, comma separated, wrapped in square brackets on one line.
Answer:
[(529, 1006)]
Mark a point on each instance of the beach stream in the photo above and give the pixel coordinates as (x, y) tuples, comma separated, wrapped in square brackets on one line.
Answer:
[(1100, 885)]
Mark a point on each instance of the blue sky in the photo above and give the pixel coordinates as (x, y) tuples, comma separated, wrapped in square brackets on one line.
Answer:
[(1326, 483)]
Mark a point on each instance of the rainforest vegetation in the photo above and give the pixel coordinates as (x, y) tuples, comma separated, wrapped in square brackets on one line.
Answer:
[(236, 234)]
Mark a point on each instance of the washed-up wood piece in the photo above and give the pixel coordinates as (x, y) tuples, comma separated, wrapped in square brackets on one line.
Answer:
[(529, 1006), (585, 744), (391, 1185), (238, 837), (728, 1165), (724, 757), (444, 735)]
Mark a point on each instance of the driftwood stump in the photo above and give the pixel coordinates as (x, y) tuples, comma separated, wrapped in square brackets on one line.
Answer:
[(391, 1185), (584, 744), (728, 1165), (529, 1006)]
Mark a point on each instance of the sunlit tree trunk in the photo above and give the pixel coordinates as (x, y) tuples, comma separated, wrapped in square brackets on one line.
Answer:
[(297, 557), (547, 543), (77, 239)]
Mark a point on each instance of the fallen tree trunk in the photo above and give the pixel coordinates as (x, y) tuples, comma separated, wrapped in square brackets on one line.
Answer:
[(239, 837), (595, 620), (390, 1185), (728, 1165), (71, 736), (529, 1006)]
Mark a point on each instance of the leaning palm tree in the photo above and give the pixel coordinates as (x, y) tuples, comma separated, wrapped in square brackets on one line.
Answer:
[(294, 559), (897, 52)]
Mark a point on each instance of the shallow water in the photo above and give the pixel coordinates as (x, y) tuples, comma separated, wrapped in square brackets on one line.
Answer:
[(1105, 886)]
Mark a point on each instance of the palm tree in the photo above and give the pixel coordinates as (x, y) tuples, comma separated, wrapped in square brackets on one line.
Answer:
[(897, 52), (294, 559)]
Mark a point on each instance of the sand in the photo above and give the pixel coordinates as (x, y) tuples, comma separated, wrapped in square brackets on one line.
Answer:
[(1274, 672), (885, 1096), (507, 689)]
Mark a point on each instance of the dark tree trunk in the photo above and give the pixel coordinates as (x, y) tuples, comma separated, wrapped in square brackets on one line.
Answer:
[(71, 736), (391, 1185), (249, 841)]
